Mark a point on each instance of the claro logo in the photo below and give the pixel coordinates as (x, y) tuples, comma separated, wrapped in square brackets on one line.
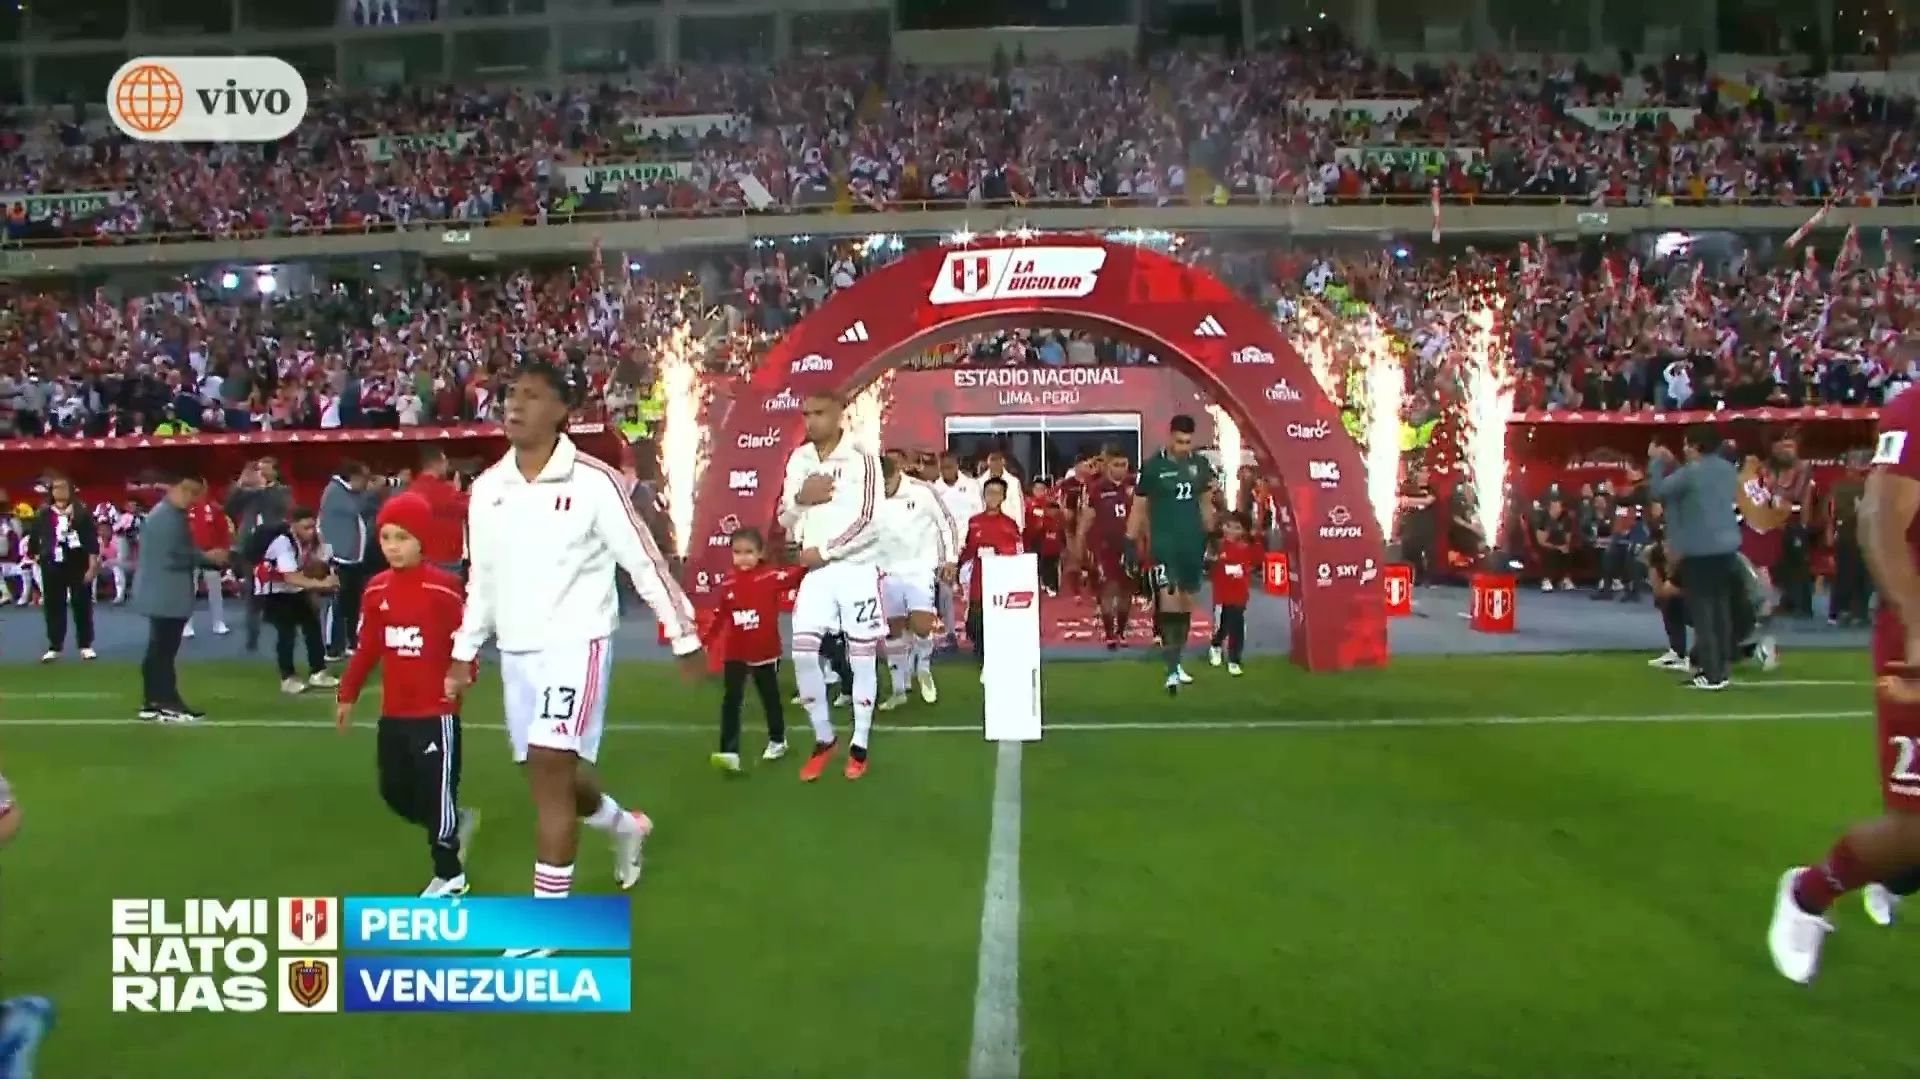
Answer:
[(766, 440), (1308, 432)]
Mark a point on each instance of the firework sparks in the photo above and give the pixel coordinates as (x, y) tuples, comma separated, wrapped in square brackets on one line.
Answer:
[(866, 412), (1486, 409), (682, 438), (1226, 437), (1386, 383)]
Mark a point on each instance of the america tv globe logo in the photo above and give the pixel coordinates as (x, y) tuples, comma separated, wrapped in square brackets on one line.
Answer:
[(207, 99), (149, 99)]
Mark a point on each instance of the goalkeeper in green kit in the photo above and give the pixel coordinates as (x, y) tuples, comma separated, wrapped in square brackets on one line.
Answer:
[(1173, 512)]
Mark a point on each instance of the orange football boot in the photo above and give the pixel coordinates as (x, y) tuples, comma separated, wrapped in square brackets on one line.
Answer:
[(817, 761), (856, 768)]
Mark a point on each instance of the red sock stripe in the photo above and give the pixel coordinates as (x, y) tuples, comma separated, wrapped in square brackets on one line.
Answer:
[(590, 688)]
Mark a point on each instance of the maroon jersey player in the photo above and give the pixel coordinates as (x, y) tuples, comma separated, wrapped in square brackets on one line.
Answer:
[(1103, 536), (1881, 855)]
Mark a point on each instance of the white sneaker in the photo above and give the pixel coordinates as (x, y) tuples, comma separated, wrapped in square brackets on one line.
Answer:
[(1185, 678), (1546, 586), (774, 751), (892, 702), (322, 680), (220, 629), (464, 832), (88, 653), (292, 686), (439, 888), (795, 700), (1566, 584), (1701, 681), (1767, 652), (929, 692), (841, 700), (1173, 685), (1795, 936), (1881, 904), (1214, 658), (1669, 660), (187, 633), (627, 850), (49, 656), (1235, 670)]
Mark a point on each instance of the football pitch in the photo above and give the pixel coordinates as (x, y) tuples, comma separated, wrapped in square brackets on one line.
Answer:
[(1512, 866)]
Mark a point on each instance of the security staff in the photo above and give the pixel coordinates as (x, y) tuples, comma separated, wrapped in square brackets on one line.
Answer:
[(64, 542)]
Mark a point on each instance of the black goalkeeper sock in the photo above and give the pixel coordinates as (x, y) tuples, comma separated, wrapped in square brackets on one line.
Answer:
[(1173, 638), (1904, 883)]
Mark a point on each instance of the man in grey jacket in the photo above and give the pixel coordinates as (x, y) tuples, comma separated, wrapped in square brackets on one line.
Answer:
[(347, 510), (163, 591), (1704, 534)]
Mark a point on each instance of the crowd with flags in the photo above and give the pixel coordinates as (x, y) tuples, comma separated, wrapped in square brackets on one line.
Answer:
[(1294, 123)]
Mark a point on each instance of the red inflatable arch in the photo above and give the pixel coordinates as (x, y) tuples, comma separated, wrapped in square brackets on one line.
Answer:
[(1181, 314)]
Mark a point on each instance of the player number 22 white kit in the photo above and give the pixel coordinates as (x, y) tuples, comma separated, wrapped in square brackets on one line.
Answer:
[(842, 596)]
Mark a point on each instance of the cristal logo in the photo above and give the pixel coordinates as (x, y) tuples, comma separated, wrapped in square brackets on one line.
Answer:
[(744, 480), (784, 401), (812, 364), (764, 441), (1281, 392), (1308, 432), (1323, 471), (1252, 355)]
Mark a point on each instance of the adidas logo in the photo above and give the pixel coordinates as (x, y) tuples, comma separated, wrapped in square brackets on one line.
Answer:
[(854, 334), (1209, 327)]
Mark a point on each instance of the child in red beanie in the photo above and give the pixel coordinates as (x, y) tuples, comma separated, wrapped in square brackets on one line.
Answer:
[(408, 618)]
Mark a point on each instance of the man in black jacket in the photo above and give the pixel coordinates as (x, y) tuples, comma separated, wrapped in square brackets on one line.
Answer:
[(64, 543)]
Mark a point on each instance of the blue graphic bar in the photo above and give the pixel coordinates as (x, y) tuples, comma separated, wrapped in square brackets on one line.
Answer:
[(443, 983), (587, 923)]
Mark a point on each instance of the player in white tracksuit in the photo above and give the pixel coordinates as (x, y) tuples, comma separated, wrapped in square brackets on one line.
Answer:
[(828, 502), (919, 541), (960, 493)]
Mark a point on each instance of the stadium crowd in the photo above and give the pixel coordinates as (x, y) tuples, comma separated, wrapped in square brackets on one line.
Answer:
[(1582, 333), (719, 139)]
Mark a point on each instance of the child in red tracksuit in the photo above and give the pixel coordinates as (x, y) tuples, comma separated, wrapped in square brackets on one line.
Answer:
[(407, 620), (989, 532), (746, 632), (1233, 573)]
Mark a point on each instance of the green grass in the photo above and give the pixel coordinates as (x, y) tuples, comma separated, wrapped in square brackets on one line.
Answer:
[(1454, 867)]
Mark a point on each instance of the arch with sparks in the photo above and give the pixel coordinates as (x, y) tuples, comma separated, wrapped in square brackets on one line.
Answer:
[(1185, 316)]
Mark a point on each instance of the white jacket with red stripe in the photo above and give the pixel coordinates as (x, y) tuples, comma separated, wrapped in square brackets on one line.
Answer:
[(541, 558), (842, 528)]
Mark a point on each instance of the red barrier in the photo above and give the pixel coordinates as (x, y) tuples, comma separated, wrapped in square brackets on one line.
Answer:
[(1398, 582), (1490, 602)]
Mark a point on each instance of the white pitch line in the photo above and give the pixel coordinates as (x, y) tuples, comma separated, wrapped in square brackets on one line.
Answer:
[(1198, 725), (996, 996)]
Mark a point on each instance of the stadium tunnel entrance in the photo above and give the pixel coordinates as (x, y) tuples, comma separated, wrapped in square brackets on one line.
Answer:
[(1185, 316)]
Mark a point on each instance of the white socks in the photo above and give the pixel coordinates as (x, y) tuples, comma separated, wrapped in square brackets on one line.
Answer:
[(610, 818), (900, 664), (812, 683), (861, 656), (920, 657), (551, 881)]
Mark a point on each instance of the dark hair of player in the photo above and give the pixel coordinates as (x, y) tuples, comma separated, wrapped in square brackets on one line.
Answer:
[(1110, 450), (1182, 424), (299, 513), (995, 481), (748, 535), (173, 477), (552, 375), (889, 466), (1240, 519), (1703, 438)]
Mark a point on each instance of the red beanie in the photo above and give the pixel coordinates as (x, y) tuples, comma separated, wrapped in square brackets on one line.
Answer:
[(409, 511)]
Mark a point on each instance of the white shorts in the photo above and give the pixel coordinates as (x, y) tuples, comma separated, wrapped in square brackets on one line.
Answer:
[(840, 597), (903, 594), (556, 698)]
